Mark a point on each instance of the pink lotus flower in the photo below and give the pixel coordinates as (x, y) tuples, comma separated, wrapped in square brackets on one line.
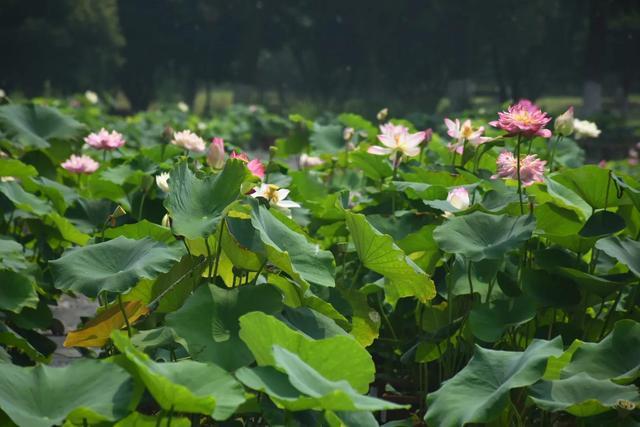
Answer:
[(531, 168), (397, 139), (523, 118), (255, 166), (104, 140), (80, 164), (189, 141), (216, 156)]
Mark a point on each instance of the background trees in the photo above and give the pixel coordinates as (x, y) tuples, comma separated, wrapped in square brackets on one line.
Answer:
[(359, 52)]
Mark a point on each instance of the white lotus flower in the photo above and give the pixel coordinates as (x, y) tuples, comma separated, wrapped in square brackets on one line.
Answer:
[(585, 129), (162, 181), (182, 106), (91, 96), (275, 195), (459, 199), (307, 161), (189, 140)]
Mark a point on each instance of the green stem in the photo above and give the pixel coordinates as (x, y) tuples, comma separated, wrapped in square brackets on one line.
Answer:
[(169, 416), (610, 314), (209, 257), (142, 200), (255, 279), (554, 143), (124, 314), (218, 249), (386, 319), (469, 278), (518, 174)]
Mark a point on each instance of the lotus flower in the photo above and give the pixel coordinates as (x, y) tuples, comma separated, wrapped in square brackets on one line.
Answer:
[(585, 129), (182, 106), (397, 140), (216, 156), (162, 181), (275, 195), (465, 132), (531, 168), (104, 140), (307, 161), (564, 123), (80, 164), (523, 118), (91, 96), (255, 166), (189, 141), (459, 198)]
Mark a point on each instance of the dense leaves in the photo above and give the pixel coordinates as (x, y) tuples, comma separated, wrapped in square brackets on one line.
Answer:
[(321, 285)]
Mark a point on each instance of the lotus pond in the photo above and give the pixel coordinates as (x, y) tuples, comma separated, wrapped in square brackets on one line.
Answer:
[(251, 269)]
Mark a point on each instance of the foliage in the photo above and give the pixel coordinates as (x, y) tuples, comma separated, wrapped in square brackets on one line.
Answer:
[(374, 289)]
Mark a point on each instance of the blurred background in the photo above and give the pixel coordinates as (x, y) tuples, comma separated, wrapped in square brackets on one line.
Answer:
[(436, 57)]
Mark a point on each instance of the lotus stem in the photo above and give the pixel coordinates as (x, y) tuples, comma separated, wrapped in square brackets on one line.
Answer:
[(124, 314), (610, 314), (518, 172)]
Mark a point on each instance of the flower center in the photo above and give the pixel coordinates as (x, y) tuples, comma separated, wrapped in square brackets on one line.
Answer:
[(523, 117), (467, 131), (272, 194)]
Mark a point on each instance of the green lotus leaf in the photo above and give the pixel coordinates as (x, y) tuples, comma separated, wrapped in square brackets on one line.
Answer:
[(489, 321), (67, 230), (97, 188), (379, 253), (625, 250), (23, 200), (11, 255), (137, 419), (561, 226), (242, 245), (172, 288), (365, 320), (35, 125), (16, 169), (208, 322), (592, 184), (327, 138), (480, 236), (44, 396), (185, 386), (290, 251), (566, 198), (16, 291), (616, 357), (336, 358), (602, 223), (113, 266), (140, 230), (480, 392), (197, 205), (549, 290), (300, 387), (599, 285), (374, 167), (581, 395)]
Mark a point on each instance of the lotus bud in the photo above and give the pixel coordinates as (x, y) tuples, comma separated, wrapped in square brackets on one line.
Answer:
[(167, 134), (273, 151), (564, 123), (118, 212), (382, 114), (428, 135), (347, 134), (166, 221), (216, 156)]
